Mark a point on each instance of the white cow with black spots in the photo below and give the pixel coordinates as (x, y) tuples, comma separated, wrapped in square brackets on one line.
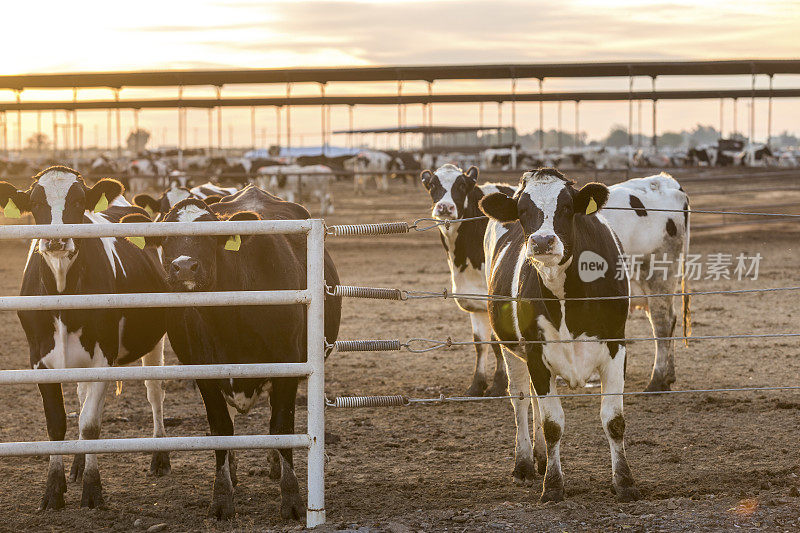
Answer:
[(651, 218)]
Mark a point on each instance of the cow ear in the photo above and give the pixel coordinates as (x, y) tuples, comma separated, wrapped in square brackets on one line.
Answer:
[(13, 202), (232, 243), (141, 242), (590, 198), (499, 207), (212, 199), (472, 176), (102, 194), (426, 178), (148, 203)]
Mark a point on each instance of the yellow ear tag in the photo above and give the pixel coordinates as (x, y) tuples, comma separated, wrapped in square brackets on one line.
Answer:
[(234, 243), (102, 204), (149, 210), (11, 210), (137, 241), (592, 207)]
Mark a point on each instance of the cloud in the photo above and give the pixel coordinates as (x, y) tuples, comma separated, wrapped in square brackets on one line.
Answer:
[(498, 31)]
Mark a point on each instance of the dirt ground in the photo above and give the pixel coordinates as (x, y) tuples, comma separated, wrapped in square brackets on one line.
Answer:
[(703, 462)]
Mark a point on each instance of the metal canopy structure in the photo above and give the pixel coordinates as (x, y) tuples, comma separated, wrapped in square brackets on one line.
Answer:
[(218, 78), (405, 99)]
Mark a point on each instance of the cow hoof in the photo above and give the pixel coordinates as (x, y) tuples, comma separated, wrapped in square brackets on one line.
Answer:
[(221, 508), (497, 389), (476, 389), (627, 494), (54, 491), (159, 464), (92, 495), (76, 470), (656, 386), (524, 472), (552, 495), (292, 506)]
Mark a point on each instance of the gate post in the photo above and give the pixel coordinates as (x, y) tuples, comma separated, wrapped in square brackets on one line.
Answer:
[(315, 284)]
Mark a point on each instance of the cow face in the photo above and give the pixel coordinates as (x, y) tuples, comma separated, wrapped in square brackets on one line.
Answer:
[(191, 261), (449, 187), (546, 205), (58, 195)]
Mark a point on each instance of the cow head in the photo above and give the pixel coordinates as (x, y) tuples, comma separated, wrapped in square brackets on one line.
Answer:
[(449, 187), (58, 195), (191, 261), (158, 207), (546, 205)]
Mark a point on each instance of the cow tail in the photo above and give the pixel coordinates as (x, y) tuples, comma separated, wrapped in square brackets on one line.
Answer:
[(686, 297)]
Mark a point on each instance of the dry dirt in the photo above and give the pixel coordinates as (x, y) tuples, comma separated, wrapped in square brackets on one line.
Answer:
[(704, 462)]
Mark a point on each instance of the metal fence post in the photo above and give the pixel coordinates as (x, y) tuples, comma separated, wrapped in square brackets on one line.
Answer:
[(315, 281)]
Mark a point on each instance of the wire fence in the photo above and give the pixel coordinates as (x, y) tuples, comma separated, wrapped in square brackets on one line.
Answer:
[(387, 228), (390, 345), (405, 401), (429, 345), (385, 293)]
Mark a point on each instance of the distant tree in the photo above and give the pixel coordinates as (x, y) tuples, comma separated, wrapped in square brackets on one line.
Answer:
[(38, 141), (703, 135), (137, 140), (785, 139), (671, 139), (618, 136)]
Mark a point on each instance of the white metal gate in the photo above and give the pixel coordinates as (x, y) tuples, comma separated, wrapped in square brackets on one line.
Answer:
[(313, 297)]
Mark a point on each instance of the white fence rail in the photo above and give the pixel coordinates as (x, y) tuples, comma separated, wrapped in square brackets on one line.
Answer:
[(313, 296)]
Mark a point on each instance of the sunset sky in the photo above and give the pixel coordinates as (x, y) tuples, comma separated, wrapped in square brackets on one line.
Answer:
[(98, 36)]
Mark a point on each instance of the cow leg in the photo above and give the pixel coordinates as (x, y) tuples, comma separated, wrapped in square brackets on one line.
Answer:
[(552, 415), (90, 420), (220, 423), (232, 464), (519, 384), (56, 486), (662, 317), (79, 461), (281, 422), (481, 332), (159, 463), (612, 378), (500, 380)]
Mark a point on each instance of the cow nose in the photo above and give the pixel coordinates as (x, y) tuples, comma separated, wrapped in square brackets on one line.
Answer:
[(542, 244), (53, 245), (445, 209), (184, 268)]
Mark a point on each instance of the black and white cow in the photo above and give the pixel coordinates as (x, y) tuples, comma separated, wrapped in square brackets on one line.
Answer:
[(656, 244), (90, 338), (369, 164), (455, 195), (158, 207), (249, 334), (538, 241)]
